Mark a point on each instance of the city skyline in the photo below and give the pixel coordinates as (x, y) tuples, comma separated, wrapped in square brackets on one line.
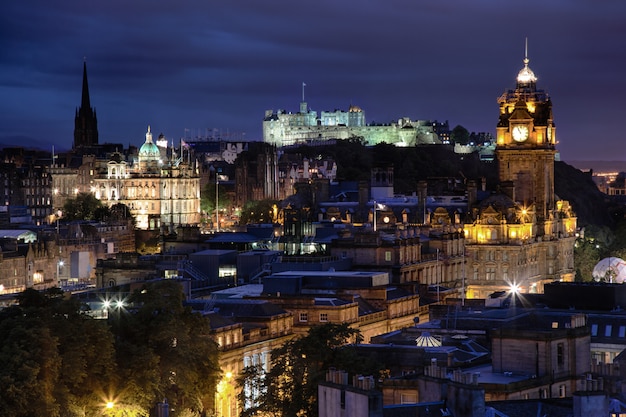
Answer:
[(189, 68)]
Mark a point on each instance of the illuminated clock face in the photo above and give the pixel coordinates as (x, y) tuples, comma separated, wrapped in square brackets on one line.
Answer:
[(520, 133)]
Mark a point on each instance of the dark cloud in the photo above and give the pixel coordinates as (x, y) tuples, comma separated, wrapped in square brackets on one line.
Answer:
[(201, 65)]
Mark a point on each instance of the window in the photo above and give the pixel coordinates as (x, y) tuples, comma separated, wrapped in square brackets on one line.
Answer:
[(622, 331), (490, 273), (304, 317), (608, 330), (560, 352), (408, 398), (323, 316), (594, 329), (388, 256)]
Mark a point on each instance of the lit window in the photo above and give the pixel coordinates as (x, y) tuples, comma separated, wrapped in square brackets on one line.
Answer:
[(388, 256)]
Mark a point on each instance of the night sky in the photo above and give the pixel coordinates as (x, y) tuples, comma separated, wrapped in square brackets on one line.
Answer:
[(189, 67)]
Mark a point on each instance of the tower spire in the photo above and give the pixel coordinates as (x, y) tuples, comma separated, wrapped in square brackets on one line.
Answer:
[(84, 103), (526, 60), (85, 121), (526, 75)]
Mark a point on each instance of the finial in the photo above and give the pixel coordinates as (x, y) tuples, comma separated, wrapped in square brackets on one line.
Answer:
[(526, 60)]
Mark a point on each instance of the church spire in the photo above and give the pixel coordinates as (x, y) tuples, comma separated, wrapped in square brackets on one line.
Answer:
[(84, 103), (85, 122)]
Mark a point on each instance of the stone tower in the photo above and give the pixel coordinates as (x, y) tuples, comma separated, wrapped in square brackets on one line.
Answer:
[(85, 121)]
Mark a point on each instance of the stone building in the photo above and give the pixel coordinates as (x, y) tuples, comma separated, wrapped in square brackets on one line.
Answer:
[(522, 236), (159, 192), (245, 331), (257, 174), (27, 264), (281, 128)]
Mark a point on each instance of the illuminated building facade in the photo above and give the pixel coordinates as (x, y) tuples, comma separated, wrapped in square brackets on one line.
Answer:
[(159, 191), (522, 237), (283, 128)]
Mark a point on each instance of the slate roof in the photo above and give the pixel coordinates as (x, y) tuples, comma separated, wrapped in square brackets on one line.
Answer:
[(562, 407)]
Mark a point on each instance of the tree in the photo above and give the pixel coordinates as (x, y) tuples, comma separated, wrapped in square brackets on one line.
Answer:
[(30, 367), (85, 206), (120, 212), (262, 211), (56, 360), (460, 135), (207, 197), (289, 388), (164, 349)]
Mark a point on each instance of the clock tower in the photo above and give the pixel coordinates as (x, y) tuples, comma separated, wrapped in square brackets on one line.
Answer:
[(525, 148), (521, 238)]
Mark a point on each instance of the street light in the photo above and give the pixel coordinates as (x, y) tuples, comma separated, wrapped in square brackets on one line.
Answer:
[(60, 264)]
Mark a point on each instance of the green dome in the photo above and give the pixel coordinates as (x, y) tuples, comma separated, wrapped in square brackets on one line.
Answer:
[(149, 151)]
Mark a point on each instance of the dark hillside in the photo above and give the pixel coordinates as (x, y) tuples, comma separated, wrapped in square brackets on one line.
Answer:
[(590, 205), (354, 162)]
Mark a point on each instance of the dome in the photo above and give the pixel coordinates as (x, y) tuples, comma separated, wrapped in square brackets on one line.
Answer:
[(611, 270), (355, 109), (526, 75), (149, 151)]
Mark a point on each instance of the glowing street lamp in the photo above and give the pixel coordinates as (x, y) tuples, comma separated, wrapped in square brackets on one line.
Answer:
[(60, 264)]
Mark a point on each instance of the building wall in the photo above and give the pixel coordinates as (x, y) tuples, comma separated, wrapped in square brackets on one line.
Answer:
[(170, 197), (36, 268), (557, 354), (251, 349)]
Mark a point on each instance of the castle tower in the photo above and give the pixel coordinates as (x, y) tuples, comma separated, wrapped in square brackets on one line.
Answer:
[(526, 142), (85, 121)]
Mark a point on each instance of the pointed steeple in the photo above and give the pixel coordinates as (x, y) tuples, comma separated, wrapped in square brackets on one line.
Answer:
[(84, 103), (85, 121)]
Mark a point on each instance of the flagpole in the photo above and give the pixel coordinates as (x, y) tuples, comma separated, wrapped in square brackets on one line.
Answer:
[(217, 195), (437, 276)]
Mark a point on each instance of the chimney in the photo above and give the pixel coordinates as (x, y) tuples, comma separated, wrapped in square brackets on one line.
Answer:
[(364, 194), (472, 193)]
